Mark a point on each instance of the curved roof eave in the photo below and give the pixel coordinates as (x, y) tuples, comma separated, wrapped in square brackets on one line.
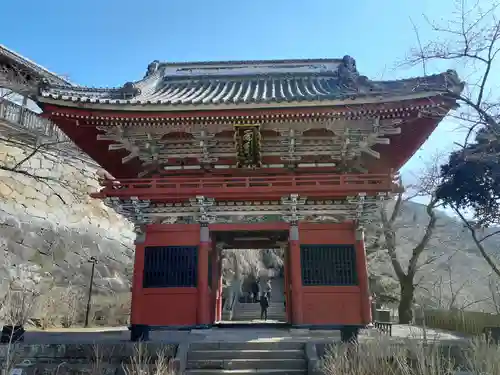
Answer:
[(237, 106)]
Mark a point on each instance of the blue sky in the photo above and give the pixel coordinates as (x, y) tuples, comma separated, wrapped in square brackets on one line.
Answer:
[(109, 42)]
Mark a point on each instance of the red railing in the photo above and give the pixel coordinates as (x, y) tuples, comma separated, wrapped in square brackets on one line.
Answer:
[(315, 185)]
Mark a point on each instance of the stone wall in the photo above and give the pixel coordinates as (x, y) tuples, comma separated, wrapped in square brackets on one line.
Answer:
[(49, 226), (85, 358)]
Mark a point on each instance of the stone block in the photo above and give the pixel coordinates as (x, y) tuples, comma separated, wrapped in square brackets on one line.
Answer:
[(32, 218), (5, 190)]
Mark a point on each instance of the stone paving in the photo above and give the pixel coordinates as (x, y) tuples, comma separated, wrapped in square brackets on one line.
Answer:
[(121, 334)]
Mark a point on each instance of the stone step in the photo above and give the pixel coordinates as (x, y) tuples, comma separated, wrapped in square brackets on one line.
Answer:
[(256, 306), (270, 318), (249, 315), (254, 320), (255, 311), (253, 316), (283, 354), (245, 372), (245, 364), (251, 345), (250, 312), (256, 314)]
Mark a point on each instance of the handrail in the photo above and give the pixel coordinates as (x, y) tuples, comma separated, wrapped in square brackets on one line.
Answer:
[(30, 121), (287, 178), (362, 182)]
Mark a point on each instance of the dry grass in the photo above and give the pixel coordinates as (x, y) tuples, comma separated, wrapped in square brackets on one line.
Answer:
[(111, 310), (383, 357), (101, 361), (65, 307), (141, 363)]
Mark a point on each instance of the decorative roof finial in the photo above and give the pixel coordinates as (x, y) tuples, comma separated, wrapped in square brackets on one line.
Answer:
[(152, 68), (129, 90), (347, 72)]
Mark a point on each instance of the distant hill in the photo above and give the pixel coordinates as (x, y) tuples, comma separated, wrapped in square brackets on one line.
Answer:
[(459, 270)]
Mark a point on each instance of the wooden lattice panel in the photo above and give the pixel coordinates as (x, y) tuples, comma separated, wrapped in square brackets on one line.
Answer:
[(328, 265), (170, 267)]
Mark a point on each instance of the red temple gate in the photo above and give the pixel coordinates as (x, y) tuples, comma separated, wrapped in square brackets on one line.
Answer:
[(307, 148)]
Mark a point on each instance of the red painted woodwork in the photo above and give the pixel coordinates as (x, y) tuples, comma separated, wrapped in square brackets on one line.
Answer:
[(203, 291), (253, 227), (362, 271), (164, 306), (178, 188), (202, 305), (326, 233), (83, 114), (80, 125), (86, 140), (167, 307), (403, 146), (137, 277), (334, 305), (331, 305), (305, 304), (296, 283)]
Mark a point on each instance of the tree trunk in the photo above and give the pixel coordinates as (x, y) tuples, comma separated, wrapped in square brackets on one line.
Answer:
[(405, 308)]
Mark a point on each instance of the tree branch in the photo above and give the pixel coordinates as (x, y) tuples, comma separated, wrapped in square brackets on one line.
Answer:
[(429, 230), (390, 241), (489, 235), (478, 243)]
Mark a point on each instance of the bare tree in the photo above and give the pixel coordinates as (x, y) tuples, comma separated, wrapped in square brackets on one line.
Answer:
[(471, 41), (17, 302), (449, 292), (494, 289), (33, 144), (407, 277)]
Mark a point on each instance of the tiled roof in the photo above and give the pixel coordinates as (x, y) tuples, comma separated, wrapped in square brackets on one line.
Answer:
[(32, 67), (251, 82)]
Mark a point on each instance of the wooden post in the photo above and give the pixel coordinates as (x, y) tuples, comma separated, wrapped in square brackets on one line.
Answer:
[(295, 274), (366, 315), (137, 277), (22, 109), (203, 314), (92, 260)]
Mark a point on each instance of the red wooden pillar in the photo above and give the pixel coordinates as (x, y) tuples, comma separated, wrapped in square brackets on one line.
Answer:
[(137, 277), (295, 274), (362, 270), (203, 294)]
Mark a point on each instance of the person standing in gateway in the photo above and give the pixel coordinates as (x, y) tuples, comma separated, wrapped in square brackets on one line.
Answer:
[(264, 304)]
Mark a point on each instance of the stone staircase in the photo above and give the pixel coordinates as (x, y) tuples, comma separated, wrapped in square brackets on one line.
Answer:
[(238, 358), (251, 311)]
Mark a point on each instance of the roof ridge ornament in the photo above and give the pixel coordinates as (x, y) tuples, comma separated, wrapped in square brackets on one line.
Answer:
[(349, 77), (152, 68), (453, 82), (129, 90)]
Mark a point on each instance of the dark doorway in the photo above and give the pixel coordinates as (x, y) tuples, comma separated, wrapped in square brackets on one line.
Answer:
[(253, 268)]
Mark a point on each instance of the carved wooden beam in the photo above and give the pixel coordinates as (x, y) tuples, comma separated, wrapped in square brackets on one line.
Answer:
[(205, 143), (291, 141)]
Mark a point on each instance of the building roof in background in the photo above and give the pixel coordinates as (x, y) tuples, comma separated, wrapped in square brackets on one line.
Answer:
[(31, 67)]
